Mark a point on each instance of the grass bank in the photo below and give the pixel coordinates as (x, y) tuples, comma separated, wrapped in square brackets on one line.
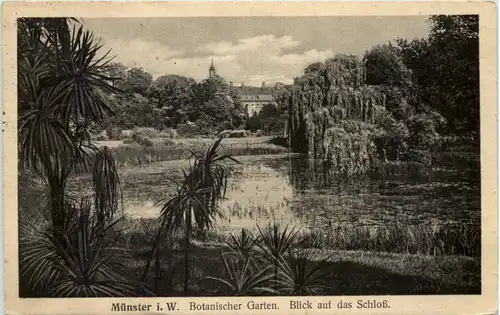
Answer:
[(178, 149), (346, 272), (342, 272)]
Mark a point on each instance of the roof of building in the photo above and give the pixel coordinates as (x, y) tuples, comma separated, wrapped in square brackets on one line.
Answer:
[(261, 92), (256, 97), (266, 93)]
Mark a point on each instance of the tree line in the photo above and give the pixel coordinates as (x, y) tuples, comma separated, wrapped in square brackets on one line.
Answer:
[(172, 101), (394, 104), (440, 72)]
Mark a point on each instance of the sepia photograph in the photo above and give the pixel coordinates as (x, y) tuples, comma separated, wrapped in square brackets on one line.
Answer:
[(249, 156)]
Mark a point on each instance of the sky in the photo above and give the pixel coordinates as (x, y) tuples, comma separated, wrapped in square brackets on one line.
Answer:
[(246, 49)]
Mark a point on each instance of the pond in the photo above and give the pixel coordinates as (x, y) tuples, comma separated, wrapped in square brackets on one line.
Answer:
[(294, 190)]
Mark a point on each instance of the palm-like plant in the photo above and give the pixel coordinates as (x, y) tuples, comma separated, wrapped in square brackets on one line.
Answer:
[(84, 261), (243, 279), (301, 273), (243, 244), (106, 185), (211, 171), (61, 93), (276, 243), (202, 187)]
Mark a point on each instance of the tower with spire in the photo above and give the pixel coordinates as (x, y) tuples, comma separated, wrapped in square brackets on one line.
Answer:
[(211, 70)]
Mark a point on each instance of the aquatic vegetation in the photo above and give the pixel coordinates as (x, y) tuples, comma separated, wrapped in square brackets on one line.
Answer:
[(422, 239), (351, 213), (132, 155)]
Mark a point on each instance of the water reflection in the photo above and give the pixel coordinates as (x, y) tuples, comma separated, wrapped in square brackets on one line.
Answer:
[(442, 196), (257, 196), (298, 191)]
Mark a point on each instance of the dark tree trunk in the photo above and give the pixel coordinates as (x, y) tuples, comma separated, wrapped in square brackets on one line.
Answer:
[(57, 209), (186, 251), (157, 273), (154, 251)]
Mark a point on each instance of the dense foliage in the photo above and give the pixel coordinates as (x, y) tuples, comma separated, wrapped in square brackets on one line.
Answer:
[(353, 114), (445, 67), (327, 99), (61, 92), (394, 104), (172, 101), (271, 120)]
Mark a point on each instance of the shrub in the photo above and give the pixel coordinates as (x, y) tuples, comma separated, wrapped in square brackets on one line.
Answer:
[(168, 142), (423, 128), (281, 141), (114, 133), (243, 244), (142, 140), (148, 131), (302, 273), (234, 133), (126, 134), (188, 130), (253, 123), (147, 142), (169, 133), (128, 141), (420, 156), (243, 277), (100, 137), (84, 260)]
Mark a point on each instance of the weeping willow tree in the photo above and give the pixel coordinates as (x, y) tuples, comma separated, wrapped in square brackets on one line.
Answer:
[(332, 114), (354, 115)]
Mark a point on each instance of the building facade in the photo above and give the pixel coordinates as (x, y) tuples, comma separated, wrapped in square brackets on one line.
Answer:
[(252, 98)]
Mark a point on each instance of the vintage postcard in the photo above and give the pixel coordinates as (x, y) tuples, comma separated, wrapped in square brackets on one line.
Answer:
[(250, 158)]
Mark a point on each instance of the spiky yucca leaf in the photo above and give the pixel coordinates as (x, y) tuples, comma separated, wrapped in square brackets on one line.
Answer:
[(244, 243), (202, 187), (301, 273), (61, 92), (189, 198), (211, 171), (243, 280), (83, 261), (84, 97), (106, 183), (45, 146), (276, 242)]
